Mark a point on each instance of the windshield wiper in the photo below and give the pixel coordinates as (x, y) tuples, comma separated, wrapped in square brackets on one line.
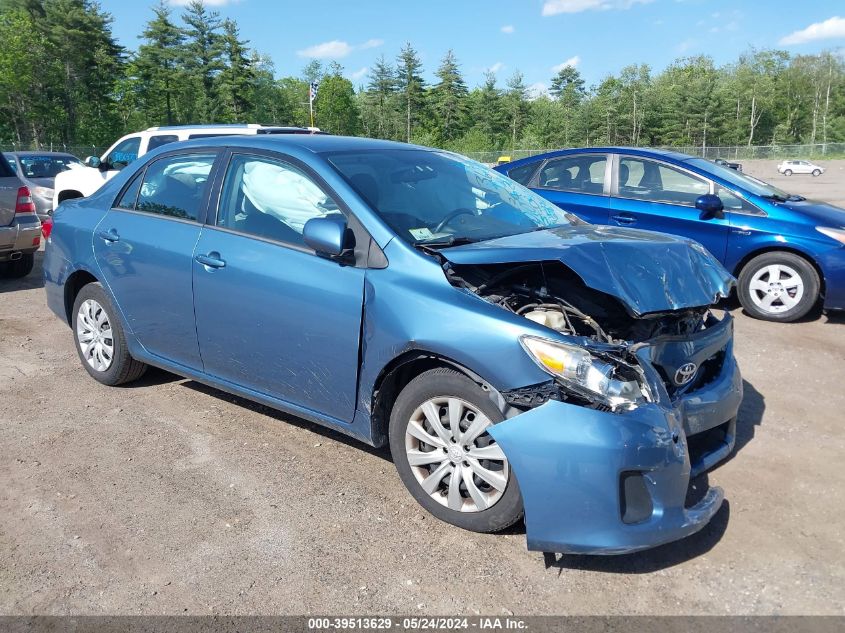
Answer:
[(452, 240), (776, 197)]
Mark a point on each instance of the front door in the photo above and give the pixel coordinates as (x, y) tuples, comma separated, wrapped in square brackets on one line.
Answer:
[(659, 197), (271, 315), (144, 247), (577, 184)]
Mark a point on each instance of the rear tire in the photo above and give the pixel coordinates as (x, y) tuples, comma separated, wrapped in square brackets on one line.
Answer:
[(20, 267), (457, 494), (787, 172), (99, 338), (778, 286)]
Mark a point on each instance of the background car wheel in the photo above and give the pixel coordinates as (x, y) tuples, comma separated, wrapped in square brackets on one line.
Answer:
[(787, 172), (99, 338), (817, 172), (446, 458), (778, 286), (20, 267)]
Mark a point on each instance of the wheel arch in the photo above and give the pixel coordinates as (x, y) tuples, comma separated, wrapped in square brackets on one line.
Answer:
[(74, 283), (774, 248), (396, 374)]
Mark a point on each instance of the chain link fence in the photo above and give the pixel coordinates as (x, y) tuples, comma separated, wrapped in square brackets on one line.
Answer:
[(734, 152), (80, 151)]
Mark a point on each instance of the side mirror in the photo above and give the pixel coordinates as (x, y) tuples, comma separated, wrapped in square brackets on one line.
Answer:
[(710, 206), (93, 161), (328, 236)]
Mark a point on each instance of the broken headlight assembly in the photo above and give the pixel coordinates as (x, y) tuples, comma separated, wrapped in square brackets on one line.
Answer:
[(615, 385)]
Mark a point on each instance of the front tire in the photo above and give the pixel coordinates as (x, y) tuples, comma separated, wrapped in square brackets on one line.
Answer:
[(446, 458), (99, 338), (778, 286), (19, 267), (817, 172)]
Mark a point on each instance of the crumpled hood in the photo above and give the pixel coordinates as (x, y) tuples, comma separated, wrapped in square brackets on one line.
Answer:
[(646, 271)]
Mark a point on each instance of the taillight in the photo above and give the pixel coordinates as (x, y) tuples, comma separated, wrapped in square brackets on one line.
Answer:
[(24, 202), (46, 227)]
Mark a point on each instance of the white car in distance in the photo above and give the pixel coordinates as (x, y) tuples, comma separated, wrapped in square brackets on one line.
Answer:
[(82, 180), (789, 167)]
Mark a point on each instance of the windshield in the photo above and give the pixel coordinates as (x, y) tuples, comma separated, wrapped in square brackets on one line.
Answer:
[(743, 181), (431, 197), (46, 166)]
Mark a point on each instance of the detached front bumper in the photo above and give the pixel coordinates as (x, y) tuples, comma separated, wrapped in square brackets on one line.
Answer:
[(22, 236), (595, 482)]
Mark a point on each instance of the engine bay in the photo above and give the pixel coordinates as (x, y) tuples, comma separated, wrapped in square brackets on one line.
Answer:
[(550, 294)]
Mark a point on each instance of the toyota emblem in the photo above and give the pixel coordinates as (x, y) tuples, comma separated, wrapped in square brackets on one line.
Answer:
[(685, 373)]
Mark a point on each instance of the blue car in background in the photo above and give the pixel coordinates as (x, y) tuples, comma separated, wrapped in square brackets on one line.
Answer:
[(786, 251), (517, 360)]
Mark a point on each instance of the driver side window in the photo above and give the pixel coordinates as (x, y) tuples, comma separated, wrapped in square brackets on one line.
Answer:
[(125, 152)]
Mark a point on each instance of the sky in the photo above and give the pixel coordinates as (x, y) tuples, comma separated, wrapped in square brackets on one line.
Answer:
[(537, 37)]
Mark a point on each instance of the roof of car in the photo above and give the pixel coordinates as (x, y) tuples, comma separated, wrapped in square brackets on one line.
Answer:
[(316, 143), (636, 151)]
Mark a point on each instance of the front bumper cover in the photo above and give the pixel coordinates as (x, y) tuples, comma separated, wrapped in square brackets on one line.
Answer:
[(570, 460)]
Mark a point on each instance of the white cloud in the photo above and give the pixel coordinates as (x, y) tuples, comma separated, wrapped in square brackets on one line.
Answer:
[(537, 90), (374, 43), (360, 73), (508, 28), (555, 7), (831, 28), (572, 62), (497, 67), (686, 45), (336, 49)]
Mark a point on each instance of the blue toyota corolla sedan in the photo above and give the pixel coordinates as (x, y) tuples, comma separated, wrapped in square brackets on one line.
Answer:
[(786, 251), (515, 359)]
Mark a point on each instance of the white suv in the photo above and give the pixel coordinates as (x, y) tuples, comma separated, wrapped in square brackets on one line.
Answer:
[(789, 167), (83, 180)]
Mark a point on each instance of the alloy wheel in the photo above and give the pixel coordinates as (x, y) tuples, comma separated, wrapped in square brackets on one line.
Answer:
[(94, 335), (453, 458), (776, 288)]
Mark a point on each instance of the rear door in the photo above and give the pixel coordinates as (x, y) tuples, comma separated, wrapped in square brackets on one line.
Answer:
[(653, 195), (578, 183), (271, 315), (144, 247)]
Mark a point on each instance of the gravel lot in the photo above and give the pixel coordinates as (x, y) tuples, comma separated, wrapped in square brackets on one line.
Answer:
[(170, 497)]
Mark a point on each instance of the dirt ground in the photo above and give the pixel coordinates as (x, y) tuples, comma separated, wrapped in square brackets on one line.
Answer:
[(168, 497)]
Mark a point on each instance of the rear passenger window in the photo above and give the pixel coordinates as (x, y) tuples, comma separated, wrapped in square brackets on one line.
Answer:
[(175, 186), (162, 139), (581, 174), (523, 174), (657, 182), (270, 199), (130, 194)]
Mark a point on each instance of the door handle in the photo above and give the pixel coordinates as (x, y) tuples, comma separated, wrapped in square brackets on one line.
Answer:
[(212, 260), (109, 236), (624, 218)]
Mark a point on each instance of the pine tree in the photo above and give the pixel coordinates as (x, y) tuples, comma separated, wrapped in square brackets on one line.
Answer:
[(157, 66), (411, 85), (568, 88), (202, 57), (516, 106), (449, 99), (381, 92), (235, 81)]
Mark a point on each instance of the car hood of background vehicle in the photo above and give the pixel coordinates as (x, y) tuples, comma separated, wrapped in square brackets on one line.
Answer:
[(821, 212), (648, 272)]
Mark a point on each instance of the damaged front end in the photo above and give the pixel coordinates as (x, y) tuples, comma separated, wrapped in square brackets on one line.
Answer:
[(636, 404)]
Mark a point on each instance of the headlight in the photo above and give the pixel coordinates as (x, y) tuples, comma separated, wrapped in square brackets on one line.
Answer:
[(582, 372), (43, 192), (837, 234)]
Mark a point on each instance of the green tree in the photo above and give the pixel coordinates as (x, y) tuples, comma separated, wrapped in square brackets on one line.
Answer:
[(202, 57), (380, 112), (411, 86), (516, 106), (236, 80), (448, 99), (157, 68), (568, 89), (336, 108)]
